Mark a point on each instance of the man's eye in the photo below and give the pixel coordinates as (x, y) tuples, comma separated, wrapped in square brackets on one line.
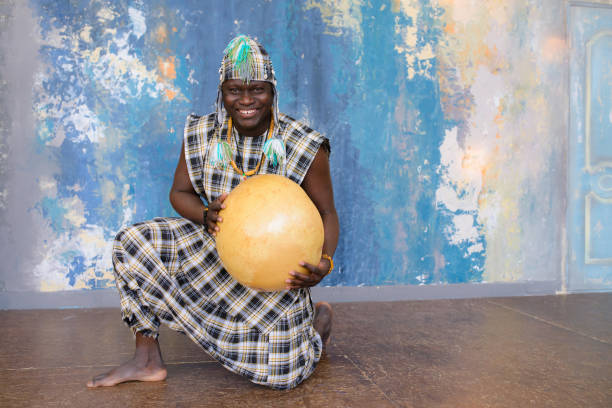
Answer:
[(258, 89), (234, 91)]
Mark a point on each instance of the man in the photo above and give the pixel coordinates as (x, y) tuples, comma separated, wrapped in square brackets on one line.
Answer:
[(168, 270)]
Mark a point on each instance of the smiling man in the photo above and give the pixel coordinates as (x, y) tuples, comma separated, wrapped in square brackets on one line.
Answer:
[(251, 115), (168, 270)]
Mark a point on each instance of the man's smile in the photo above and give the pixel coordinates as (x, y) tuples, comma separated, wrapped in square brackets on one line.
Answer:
[(247, 113)]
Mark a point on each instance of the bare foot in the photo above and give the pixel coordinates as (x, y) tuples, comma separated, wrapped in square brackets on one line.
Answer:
[(323, 321), (132, 370), (147, 365)]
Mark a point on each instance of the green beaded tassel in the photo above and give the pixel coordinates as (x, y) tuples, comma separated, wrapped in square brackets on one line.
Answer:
[(274, 150), (239, 52), (221, 155)]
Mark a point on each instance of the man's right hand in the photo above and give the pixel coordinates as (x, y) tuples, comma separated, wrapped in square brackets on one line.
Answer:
[(212, 215)]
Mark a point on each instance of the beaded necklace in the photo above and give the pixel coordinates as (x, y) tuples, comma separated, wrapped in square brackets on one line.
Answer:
[(229, 140)]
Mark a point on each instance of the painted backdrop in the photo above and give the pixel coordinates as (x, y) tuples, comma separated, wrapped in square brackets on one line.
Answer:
[(447, 119)]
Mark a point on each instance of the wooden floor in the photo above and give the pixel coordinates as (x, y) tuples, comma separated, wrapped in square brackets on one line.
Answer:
[(553, 351)]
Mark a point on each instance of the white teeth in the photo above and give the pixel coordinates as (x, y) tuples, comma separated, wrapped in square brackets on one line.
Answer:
[(247, 112)]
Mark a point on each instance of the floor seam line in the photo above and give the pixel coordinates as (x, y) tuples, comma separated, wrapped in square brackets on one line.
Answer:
[(95, 366), (363, 373), (557, 325)]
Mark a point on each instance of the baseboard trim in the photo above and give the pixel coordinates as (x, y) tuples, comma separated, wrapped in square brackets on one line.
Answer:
[(431, 292), (100, 298)]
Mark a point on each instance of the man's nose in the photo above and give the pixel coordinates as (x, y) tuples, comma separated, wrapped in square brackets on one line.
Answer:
[(246, 98)]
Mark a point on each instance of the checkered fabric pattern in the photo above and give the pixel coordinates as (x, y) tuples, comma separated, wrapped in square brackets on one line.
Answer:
[(301, 144), (168, 270), (155, 277)]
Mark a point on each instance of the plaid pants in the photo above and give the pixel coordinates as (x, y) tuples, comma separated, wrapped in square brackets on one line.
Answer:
[(155, 274)]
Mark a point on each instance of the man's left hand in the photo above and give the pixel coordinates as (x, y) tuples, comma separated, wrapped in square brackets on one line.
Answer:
[(299, 280)]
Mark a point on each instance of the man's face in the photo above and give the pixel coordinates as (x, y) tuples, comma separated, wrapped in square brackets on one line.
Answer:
[(249, 105)]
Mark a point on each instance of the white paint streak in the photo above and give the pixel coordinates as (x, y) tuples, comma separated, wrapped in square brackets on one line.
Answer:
[(122, 74), (462, 229), (106, 14), (86, 123), (126, 198), (475, 248), (85, 34), (417, 55), (463, 165), (138, 22), (75, 211), (460, 183), (339, 15), (191, 79), (458, 192)]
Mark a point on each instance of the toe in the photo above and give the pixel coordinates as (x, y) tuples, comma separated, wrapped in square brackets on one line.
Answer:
[(97, 381)]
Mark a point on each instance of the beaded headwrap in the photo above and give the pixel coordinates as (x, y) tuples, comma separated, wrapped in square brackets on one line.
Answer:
[(244, 58)]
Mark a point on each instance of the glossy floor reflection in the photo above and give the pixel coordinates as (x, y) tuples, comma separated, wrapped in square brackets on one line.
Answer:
[(551, 351)]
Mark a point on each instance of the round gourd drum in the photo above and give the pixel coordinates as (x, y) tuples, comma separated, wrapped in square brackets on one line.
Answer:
[(269, 226)]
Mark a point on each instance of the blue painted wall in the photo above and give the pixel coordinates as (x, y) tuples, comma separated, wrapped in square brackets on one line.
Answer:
[(448, 161)]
